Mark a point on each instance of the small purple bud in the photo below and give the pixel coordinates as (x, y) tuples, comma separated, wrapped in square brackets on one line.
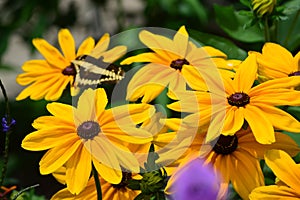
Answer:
[(196, 181), (5, 126)]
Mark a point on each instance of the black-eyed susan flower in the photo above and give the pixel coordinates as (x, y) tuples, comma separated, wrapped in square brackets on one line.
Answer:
[(276, 62), (235, 158), (109, 191), (263, 7), (49, 77), (89, 134), (166, 62), (287, 171), (244, 102)]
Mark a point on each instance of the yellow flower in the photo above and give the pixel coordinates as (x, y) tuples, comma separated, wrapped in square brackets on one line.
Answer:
[(236, 158), (263, 7), (78, 137), (48, 78), (168, 146), (287, 171), (276, 62), (109, 191), (168, 59), (240, 101)]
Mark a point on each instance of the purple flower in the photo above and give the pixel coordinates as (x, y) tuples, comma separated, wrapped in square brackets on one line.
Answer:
[(196, 182), (7, 126)]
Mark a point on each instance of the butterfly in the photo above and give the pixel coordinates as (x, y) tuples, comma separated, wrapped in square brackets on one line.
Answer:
[(92, 70)]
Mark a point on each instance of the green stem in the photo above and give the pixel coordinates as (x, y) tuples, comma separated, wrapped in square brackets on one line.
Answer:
[(267, 30), (285, 43), (97, 183), (7, 134)]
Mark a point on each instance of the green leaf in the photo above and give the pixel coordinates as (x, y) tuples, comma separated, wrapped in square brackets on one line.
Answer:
[(228, 47), (246, 3), (232, 23), (290, 7)]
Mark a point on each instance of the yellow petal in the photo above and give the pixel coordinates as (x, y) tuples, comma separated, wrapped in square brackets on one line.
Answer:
[(274, 192), (86, 47), (60, 175), (243, 182), (144, 57), (287, 82), (181, 39), (113, 54), (260, 125), (246, 74), (277, 57), (60, 110), (49, 138), (79, 168), (283, 142), (213, 52), (194, 78), (160, 44), (284, 167), (101, 46), (50, 53), (86, 106), (280, 119), (67, 44), (58, 156), (277, 97), (109, 174), (234, 120)]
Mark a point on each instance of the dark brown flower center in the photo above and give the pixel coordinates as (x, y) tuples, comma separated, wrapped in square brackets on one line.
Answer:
[(226, 144), (238, 99), (126, 176), (88, 130), (177, 64), (69, 71), (297, 73)]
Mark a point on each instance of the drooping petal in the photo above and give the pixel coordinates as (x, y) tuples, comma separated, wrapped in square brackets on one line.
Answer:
[(283, 142), (67, 44), (246, 173), (284, 167), (101, 151), (58, 156), (79, 168), (263, 128), (111, 175), (234, 120), (57, 88), (280, 119)]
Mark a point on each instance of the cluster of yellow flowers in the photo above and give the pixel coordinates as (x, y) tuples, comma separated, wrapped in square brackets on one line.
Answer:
[(229, 108)]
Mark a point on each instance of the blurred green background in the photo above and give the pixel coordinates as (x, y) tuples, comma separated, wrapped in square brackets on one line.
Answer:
[(219, 23)]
